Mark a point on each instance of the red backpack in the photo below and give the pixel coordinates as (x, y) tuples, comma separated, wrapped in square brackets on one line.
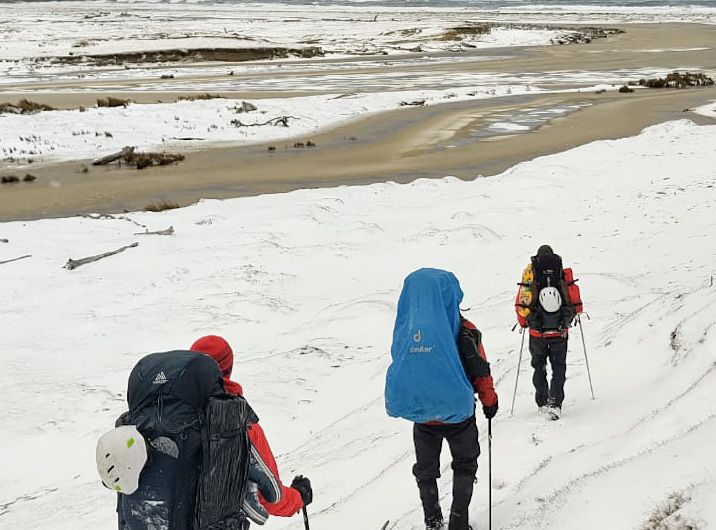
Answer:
[(573, 290)]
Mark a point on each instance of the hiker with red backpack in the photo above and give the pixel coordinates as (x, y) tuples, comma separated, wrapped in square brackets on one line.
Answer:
[(300, 493), (438, 365), (548, 300)]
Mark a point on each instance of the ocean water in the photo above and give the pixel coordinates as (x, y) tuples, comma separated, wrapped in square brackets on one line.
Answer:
[(529, 5), (500, 4)]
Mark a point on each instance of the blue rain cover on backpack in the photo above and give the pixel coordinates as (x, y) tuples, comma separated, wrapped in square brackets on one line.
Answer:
[(426, 380)]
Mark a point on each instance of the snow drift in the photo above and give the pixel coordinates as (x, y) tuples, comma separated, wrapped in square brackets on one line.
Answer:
[(304, 286)]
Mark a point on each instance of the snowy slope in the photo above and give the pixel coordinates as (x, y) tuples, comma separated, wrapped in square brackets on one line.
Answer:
[(304, 285)]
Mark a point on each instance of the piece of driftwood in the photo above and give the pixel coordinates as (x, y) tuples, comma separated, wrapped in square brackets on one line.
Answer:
[(74, 263), (125, 152), (416, 103), (138, 159), (97, 216), (166, 232), (15, 259), (279, 120)]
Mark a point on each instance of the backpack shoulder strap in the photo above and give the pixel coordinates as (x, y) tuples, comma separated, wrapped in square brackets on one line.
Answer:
[(469, 341)]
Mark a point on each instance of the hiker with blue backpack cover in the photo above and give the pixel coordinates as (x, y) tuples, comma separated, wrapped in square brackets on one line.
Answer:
[(438, 364)]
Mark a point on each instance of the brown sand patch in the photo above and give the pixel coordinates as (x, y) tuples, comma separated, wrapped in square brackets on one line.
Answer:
[(398, 145), (190, 55)]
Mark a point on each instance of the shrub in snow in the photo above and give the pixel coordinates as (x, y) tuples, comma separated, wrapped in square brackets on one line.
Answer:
[(113, 102), (666, 517), (678, 80), (161, 206), (24, 106)]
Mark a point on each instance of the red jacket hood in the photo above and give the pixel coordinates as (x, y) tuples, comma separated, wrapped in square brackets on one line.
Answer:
[(217, 348)]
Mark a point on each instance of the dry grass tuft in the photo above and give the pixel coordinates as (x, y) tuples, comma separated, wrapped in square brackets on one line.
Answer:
[(198, 97), (678, 80), (113, 102), (24, 106), (161, 206), (458, 33), (666, 517)]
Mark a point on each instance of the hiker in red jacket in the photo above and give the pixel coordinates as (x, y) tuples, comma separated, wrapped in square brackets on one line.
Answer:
[(300, 493), (547, 301)]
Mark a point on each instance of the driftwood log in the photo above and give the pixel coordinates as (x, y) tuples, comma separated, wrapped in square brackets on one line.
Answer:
[(139, 159), (15, 259), (74, 263), (416, 103), (126, 152), (279, 120), (110, 216), (166, 232)]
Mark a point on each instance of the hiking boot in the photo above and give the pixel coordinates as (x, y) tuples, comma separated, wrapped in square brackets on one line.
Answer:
[(458, 523), (434, 522), (553, 411)]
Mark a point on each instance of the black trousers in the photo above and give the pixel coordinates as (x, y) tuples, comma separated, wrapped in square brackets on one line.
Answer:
[(554, 349), (462, 438)]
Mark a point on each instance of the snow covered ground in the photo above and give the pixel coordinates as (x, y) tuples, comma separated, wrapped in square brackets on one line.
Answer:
[(32, 33), (41, 30), (96, 131), (71, 134), (304, 285), (707, 110)]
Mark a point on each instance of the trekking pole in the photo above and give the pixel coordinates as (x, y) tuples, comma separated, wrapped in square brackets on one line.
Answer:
[(586, 359), (305, 517), (489, 468), (517, 377)]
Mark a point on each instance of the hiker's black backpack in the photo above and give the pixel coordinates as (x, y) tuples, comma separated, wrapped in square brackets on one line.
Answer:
[(195, 478), (548, 272)]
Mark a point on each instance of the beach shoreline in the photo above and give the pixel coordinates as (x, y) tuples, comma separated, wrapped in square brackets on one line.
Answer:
[(394, 145)]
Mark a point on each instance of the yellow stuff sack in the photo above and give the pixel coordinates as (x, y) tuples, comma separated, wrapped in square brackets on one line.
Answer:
[(525, 294)]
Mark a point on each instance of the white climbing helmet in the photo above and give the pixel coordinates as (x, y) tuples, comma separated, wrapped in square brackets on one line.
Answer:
[(121, 455), (550, 299)]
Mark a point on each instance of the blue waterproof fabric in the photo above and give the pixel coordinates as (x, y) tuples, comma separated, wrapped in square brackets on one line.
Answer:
[(426, 380)]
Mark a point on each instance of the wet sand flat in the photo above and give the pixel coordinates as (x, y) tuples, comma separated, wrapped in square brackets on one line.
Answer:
[(399, 145)]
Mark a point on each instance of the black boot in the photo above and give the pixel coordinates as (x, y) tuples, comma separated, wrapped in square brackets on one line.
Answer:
[(431, 504), (461, 496)]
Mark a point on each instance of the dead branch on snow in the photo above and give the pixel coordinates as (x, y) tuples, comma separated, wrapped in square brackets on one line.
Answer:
[(15, 259), (166, 232), (74, 263), (280, 120)]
